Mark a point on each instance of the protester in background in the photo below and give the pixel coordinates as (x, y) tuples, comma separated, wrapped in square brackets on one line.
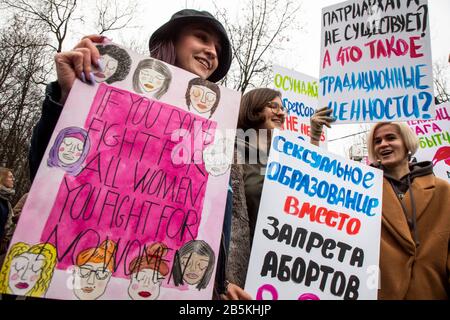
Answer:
[(262, 111), (191, 40), (6, 211), (415, 237), (11, 223)]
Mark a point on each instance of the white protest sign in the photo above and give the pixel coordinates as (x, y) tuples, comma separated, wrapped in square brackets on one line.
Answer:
[(300, 98), (318, 229), (376, 61)]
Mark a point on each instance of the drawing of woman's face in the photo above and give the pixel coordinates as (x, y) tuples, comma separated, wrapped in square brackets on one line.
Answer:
[(90, 280), (216, 158), (145, 285), (25, 271), (70, 150), (202, 98), (150, 80), (110, 66), (194, 267)]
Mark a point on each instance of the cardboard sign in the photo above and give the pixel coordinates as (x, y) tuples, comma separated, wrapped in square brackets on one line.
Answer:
[(376, 61), (129, 199), (318, 229)]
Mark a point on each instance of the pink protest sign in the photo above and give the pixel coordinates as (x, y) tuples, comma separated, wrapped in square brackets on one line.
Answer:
[(129, 199)]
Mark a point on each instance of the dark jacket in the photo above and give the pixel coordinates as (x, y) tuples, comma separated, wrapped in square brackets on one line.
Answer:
[(6, 215), (247, 181), (43, 130)]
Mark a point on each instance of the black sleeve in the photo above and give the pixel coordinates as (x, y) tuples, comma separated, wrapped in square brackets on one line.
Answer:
[(220, 280), (44, 128)]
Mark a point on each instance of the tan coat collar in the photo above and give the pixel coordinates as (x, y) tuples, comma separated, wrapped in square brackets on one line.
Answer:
[(393, 217)]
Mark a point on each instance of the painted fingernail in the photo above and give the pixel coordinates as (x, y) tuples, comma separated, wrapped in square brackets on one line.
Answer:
[(107, 40), (100, 65), (92, 80), (83, 77)]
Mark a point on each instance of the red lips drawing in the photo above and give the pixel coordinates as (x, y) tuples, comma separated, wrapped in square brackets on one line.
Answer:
[(442, 154)]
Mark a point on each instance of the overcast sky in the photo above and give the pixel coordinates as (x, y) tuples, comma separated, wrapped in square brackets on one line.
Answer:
[(304, 52)]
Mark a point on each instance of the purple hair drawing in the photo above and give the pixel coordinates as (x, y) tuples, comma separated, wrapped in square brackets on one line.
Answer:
[(69, 150)]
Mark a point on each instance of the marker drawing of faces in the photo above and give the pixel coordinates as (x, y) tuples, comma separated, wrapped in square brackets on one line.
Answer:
[(25, 271), (203, 96), (194, 266), (110, 66), (90, 280), (145, 285), (153, 77), (150, 80), (70, 150), (216, 159), (116, 64)]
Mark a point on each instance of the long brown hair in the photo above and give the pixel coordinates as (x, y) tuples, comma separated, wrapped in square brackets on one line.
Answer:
[(252, 105)]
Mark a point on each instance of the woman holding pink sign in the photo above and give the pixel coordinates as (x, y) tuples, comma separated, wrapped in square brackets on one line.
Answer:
[(415, 237), (191, 40)]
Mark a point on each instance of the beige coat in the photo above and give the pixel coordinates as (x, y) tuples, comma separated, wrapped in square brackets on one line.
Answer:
[(407, 271)]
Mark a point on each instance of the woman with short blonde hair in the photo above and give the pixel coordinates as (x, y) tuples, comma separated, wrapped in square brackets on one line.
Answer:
[(414, 250)]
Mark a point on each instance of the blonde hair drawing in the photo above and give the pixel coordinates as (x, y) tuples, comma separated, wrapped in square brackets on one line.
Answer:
[(47, 250)]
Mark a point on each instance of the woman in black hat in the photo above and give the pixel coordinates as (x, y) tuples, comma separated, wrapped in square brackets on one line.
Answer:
[(192, 40)]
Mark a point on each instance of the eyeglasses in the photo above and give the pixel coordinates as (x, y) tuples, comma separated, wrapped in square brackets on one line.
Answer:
[(100, 274), (275, 106)]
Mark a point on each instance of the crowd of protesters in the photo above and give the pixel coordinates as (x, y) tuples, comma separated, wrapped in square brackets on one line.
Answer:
[(414, 251)]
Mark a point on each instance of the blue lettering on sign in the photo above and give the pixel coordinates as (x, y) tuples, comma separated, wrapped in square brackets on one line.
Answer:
[(415, 106), (314, 159), (297, 108), (375, 80), (333, 194)]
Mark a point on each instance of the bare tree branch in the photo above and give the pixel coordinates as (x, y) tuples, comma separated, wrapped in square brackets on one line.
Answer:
[(114, 16), (24, 57), (261, 30), (53, 15)]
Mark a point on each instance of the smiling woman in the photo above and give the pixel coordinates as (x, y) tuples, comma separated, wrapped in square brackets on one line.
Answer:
[(192, 40), (261, 111), (415, 222)]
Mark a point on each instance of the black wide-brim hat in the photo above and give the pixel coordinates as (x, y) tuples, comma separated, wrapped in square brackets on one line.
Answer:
[(187, 16)]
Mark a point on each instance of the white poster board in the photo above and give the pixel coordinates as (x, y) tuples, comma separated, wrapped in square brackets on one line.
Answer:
[(375, 61), (300, 98), (318, 229)]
